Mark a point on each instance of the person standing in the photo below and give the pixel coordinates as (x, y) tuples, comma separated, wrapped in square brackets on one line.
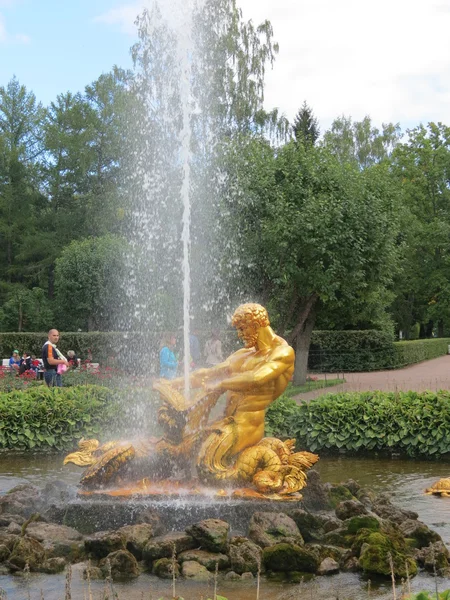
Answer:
[(51, 359), (168, 362)]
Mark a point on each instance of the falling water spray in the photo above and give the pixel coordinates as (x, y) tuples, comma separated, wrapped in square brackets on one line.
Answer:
[(185, 57)]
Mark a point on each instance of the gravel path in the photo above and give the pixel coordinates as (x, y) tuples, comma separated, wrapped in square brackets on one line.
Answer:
[(429, 375)]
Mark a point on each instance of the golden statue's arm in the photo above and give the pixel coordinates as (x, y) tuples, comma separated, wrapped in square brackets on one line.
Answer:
[(281, 360), (201, 376)]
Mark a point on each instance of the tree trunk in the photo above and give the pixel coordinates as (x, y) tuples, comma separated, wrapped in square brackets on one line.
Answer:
[(440, 330), (302, 349)]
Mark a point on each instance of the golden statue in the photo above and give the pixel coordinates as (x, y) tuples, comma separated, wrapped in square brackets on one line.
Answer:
[(231, 451)]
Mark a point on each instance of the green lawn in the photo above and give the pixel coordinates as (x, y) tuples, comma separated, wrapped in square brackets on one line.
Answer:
[(309, 386)]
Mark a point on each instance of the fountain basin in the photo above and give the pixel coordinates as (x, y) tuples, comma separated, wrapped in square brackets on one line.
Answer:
[(99, 513)]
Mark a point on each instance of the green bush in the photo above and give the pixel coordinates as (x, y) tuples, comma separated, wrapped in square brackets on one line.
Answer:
[(411, 423), (408, 353), (371, 350), (54, 418), (334, 351)]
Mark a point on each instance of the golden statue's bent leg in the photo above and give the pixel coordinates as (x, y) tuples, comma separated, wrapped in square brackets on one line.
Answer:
[(213, 462)]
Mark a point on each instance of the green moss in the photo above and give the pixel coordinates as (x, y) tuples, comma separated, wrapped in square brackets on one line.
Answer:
[(290, 557), (375, 559), (355, 524), (339, 493)]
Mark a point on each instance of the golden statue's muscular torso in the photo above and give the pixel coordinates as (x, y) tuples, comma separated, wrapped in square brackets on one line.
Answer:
[(251, 378)]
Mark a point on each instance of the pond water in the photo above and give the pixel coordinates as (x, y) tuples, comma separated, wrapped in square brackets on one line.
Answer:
[(404, 479)]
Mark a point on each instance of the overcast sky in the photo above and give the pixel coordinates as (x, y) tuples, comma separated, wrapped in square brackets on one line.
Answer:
[(389, 59)]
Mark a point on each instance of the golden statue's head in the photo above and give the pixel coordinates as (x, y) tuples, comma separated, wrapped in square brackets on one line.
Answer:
[(248, 318)]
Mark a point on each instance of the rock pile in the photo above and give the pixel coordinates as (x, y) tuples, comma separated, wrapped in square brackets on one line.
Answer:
[(347, 529)]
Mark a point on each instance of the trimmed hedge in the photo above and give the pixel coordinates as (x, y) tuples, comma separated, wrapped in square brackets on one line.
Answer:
[(44, 418), (334, 351), (371, 350), (408, 353), (411, 423), (330, 351)]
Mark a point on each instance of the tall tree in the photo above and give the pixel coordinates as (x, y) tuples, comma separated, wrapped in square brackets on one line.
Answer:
[(306, 126), (88, 280), (360, 142), (312, 232), (84, 142), (422, 165), (25, 309), (108, 99), (21, 147)]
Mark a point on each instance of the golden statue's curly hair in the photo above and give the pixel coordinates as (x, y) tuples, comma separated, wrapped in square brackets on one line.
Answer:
[(252, 312)]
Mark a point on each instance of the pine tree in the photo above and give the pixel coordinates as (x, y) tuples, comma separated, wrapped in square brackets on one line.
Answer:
[(306, 126)]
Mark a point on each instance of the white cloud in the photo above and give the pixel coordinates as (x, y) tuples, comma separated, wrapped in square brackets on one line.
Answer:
[(123, 16), (8, 38), (389, 59)]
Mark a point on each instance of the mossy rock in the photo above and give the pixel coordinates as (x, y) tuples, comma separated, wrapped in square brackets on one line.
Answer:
[(435, 556), (290, 557), (363, 538), (121, 564), (339, 493), (355, 524), (27, 551), (310, 526), (4, 553), (339, 537), (53, 565), (375, 559), (335, 552), (389, 536), (420, 533), (164, 568), (375, 549)]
